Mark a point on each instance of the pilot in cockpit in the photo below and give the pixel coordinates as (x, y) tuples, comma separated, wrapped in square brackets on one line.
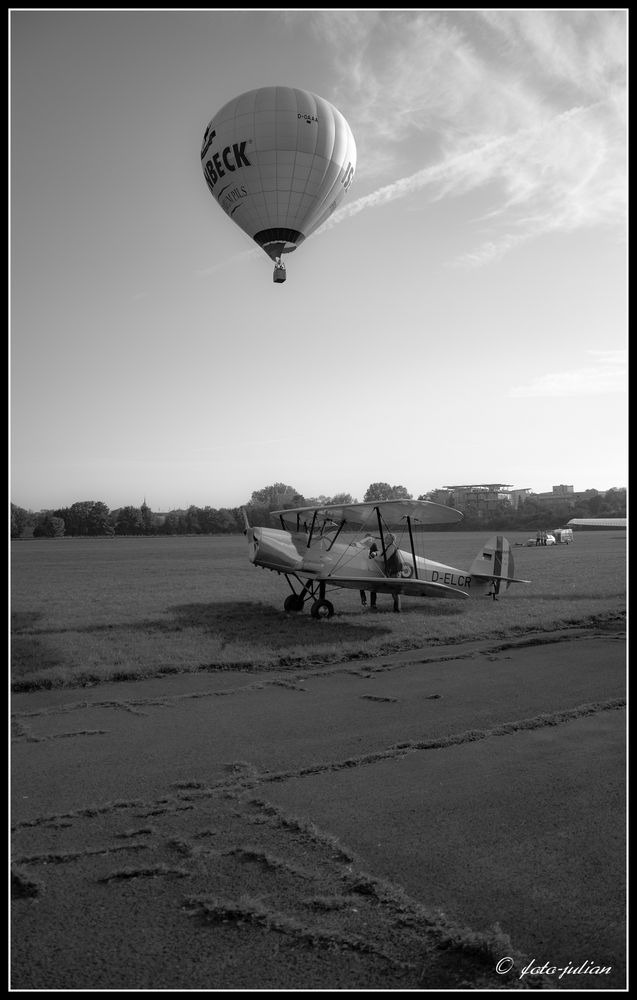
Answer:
[(370, 543)]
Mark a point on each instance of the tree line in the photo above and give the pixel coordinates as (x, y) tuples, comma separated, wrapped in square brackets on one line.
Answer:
[(92, 518)]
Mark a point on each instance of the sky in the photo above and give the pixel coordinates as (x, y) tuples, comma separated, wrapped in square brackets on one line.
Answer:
[(461, 318)]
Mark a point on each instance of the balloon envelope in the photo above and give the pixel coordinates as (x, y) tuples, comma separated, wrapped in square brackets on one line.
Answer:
[(278, 161)]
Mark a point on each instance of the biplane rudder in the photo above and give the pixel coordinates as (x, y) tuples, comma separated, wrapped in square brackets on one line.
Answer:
[(494, 562)]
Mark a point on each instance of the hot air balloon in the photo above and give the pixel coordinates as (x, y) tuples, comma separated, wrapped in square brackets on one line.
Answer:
[(278, 161)]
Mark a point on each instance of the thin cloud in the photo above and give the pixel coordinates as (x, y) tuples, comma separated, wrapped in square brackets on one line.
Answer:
[(530, 164), (585, 49), (531, 103), (606, 375)]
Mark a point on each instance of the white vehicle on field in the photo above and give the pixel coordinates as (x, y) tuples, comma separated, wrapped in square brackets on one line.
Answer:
[(542, 538)]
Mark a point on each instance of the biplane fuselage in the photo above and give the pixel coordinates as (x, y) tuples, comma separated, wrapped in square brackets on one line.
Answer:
[(286, 552)]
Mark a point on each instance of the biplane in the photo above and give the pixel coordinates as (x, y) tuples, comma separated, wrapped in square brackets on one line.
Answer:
[(357, 546)]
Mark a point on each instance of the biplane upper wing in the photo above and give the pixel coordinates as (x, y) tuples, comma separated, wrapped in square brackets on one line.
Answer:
[(395, 585), (393, 512)]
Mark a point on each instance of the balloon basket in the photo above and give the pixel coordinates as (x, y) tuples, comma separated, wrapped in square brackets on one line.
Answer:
[(279, 275)]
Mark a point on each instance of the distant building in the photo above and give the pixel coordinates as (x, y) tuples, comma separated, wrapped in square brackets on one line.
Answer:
[(519, 496), (564, 497), (484, 498)]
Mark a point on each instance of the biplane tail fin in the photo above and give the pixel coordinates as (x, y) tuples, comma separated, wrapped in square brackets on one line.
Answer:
[(494, 563)]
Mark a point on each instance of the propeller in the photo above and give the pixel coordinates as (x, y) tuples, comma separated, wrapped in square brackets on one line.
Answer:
[(254, 537)]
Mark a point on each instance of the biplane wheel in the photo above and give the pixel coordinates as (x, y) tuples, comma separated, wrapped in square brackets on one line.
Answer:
[(293, 602), (322, 609)]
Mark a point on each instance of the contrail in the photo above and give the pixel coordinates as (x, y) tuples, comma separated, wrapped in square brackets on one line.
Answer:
[(460, 163)]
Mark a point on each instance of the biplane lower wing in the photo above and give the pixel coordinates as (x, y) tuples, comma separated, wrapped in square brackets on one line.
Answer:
[(395, 585)]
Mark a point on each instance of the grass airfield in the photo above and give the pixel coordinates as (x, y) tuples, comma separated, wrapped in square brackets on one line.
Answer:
[(271, 802)]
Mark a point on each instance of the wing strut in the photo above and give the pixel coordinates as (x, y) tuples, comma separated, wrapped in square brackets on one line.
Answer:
[(413, 551), (309, 539), (382, 539), (340, 528)]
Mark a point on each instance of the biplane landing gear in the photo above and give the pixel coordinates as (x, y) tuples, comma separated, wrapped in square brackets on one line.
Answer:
[(293, 602), (322, 609)]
